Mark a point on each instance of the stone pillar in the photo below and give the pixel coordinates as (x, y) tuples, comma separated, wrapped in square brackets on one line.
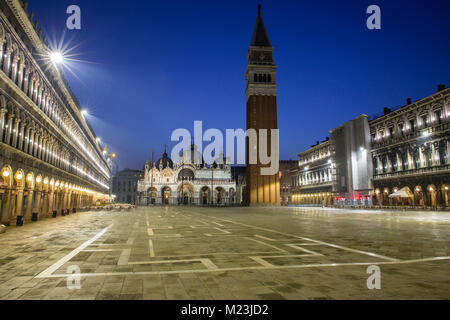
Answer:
[(21, 135), (28, 212), (55, 204), (39, 147), (50, 209), (20, 74), (7, 61), (26, 139), (18, 208), (14, 68), (26, 81), (15, 132), (2, 122), (45, 206), (448, 151), (31, 142), (399, 162), (31, 88), (422, 158), (6, 208), (9, 129), (37, 205), (389, 164), (435, 156)]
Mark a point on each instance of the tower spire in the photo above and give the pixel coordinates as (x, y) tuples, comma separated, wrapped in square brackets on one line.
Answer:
[(260, 37)]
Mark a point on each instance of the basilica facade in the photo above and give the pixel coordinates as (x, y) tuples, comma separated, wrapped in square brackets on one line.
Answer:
[(188, 182)]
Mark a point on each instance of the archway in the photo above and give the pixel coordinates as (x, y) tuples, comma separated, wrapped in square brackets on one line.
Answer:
[(6, 182), (232, 195), (418, 196), (220, 195), (205, 193), (185, 194), (152, 195), (165, 193), (431, 196)]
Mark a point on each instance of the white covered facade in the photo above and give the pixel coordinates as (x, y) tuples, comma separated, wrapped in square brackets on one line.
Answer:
[(188, 182)]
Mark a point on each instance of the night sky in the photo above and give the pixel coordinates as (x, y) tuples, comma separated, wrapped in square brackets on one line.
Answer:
[(154, 66)]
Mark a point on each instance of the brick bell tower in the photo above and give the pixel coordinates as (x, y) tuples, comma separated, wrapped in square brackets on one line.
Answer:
[(261, 113)]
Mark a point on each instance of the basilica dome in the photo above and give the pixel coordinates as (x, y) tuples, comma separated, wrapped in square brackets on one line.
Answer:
[(165, 161)]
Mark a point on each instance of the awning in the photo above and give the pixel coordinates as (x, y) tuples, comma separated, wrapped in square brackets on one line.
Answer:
[(404, 193)]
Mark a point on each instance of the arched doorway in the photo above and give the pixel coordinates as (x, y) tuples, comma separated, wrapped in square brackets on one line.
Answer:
[(185, 194), (6, 182), (431, 196), (418, 196), (205, 193), (165, 193), (232, 195), (220, 195), (152, 194)]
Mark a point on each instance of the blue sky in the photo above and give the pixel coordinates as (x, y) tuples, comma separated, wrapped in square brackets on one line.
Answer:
[(155, 66)]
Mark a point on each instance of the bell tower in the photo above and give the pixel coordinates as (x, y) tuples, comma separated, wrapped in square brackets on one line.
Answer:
[(261, 95)]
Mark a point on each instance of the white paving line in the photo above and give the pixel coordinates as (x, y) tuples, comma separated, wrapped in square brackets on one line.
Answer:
[(307, 239), (264, 238), (209, 264), (267, 245), (151, 248), (251, 268), (150, 232), (303, 249), (67, 258), (262, 262), (124, 257), (220, 225)]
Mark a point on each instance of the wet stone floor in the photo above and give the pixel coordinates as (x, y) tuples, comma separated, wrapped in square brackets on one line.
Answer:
[(184, 253)]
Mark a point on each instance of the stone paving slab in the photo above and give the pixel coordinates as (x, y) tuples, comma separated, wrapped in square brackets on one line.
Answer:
[(185, 253)]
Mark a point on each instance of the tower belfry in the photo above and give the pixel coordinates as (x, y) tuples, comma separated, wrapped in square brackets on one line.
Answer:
[(261, 112)]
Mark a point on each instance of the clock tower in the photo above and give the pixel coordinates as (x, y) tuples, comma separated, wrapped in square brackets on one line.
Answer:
[(261, 95)]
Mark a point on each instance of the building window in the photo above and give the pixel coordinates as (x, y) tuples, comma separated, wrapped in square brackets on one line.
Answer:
[(424, 121), (401, 129), (438, 115), (412, 124)]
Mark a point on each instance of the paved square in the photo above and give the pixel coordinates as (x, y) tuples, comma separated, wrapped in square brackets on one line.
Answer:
[(230, 253)]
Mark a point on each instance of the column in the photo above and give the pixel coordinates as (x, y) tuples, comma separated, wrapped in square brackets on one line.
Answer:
[(7, 60), (26, 139), (26, 81), (31, 141), (19, 206), (45, 205), (6, 208), (37, 205), (14, 68), (399, 162), (9, 129), (51, 197), (2, 121), (39, 147), (15, 132), (21, 135), (20, 74), (435, 156), (29, 210), (448, 151)]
